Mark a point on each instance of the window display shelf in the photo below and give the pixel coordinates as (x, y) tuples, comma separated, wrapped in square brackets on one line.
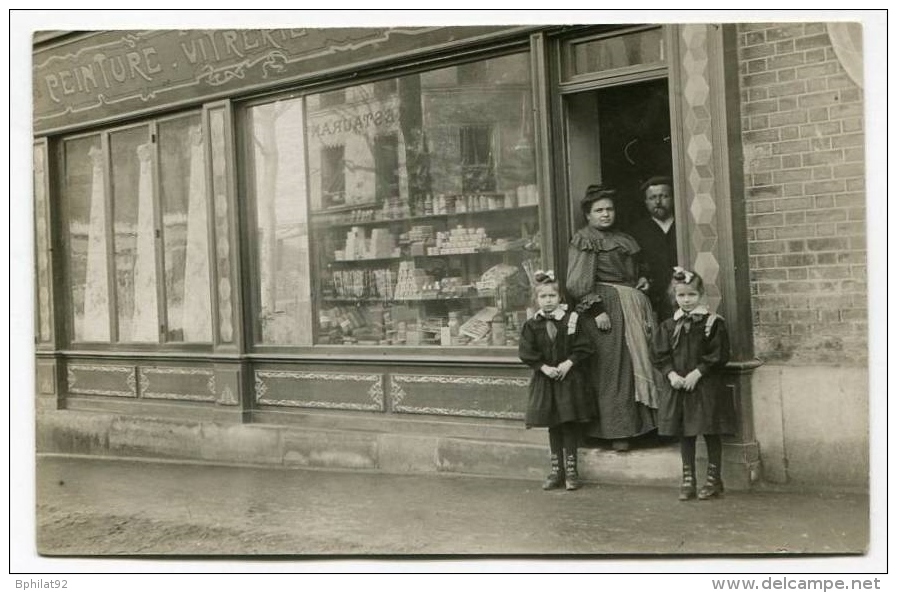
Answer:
[(334, 219), (394, 301), (533, 249)]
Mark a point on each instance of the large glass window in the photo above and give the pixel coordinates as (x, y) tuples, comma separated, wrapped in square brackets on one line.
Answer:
[(277, 181), (185, 221), (423, 206), (85, 194), (138, 240)]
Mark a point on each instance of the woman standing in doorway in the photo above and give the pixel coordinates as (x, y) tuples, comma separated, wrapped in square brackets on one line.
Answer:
[(604, 266)]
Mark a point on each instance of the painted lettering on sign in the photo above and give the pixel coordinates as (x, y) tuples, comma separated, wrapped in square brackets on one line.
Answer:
[(99, 75)]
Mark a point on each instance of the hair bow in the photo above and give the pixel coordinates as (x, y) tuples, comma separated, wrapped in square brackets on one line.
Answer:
[(544, 276), (680, 273)]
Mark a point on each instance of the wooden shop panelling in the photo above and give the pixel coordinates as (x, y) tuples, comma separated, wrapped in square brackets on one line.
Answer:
[(320, 389), (481, 396), (183, 383), (102, 379)]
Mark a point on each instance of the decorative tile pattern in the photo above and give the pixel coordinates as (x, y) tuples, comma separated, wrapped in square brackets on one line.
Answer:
[(699, 156)]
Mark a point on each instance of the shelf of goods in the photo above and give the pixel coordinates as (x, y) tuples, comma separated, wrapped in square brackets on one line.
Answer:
[(457, 274)]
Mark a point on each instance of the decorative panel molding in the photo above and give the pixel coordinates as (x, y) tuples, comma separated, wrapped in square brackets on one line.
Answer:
[(227, 387), (98, 379), (45, 377), (459, 395), (311, 389), (223, 256), (178, 383), (44, 311)]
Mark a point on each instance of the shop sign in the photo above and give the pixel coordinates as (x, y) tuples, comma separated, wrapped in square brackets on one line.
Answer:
[(111, 73)]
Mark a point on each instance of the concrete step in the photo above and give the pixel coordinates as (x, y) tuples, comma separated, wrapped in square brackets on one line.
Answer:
[(348, 441)]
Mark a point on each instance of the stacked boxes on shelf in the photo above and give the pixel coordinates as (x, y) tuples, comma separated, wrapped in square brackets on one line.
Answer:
[(411, 281), (382, 244), (460, 240)]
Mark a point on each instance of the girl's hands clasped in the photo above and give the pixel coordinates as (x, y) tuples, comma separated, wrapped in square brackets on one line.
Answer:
[(564, 368), (557, 373)]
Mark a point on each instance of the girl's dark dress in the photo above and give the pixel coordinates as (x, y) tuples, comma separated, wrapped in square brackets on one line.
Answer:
[(553, 402), (710, 408)]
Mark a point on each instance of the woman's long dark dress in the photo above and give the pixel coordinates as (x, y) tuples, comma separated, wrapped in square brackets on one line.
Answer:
[(602, 265)]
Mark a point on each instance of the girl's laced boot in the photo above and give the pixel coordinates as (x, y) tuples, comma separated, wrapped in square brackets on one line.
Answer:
[(714, 485), (556, 478), (688, 488)]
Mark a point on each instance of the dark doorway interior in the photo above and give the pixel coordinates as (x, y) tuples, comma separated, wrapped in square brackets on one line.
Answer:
[(619, 136)]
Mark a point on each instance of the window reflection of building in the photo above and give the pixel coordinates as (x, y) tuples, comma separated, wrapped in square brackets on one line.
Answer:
[(333, 175), (386, 166), (421, 159), (477, 170)]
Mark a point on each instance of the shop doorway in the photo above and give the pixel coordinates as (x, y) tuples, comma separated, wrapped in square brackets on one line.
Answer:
[(618, 136)]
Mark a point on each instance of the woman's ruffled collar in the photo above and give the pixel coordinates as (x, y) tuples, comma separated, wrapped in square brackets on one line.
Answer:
[(590, 239)]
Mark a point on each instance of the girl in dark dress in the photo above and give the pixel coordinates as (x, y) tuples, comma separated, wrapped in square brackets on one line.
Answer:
[(553, 345), (691, 349)]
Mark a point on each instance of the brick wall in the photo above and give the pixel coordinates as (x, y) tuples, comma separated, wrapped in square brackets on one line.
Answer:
[(802, 123)]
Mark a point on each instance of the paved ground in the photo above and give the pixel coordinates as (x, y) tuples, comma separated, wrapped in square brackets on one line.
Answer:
[(91, 506)]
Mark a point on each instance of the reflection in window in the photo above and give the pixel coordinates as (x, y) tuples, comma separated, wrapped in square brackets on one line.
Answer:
[(386, 166), (477, 173), (435, 235), (333, 175), (85, 197), (185, 229), (278, 184)]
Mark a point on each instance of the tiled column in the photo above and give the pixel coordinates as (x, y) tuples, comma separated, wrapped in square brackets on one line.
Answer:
[(712, 241)]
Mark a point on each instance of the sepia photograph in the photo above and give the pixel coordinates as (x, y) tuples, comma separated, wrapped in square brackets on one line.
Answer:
[(454, 290)]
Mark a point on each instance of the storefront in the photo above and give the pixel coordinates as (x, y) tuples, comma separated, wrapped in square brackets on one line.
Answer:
[(245, 225)]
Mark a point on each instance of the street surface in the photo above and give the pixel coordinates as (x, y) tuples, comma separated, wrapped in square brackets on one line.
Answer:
[(92, 506)]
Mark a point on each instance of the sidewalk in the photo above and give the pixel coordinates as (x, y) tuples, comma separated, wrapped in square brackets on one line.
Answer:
[(96, 506)]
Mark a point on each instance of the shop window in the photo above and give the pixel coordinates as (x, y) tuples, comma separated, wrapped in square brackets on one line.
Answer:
[(423, 209), (185, 223), (88, 253), (277, 184), (138, 234)]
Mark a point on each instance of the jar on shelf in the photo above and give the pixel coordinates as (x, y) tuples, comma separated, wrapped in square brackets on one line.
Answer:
[(454, 323), (498, 331)]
